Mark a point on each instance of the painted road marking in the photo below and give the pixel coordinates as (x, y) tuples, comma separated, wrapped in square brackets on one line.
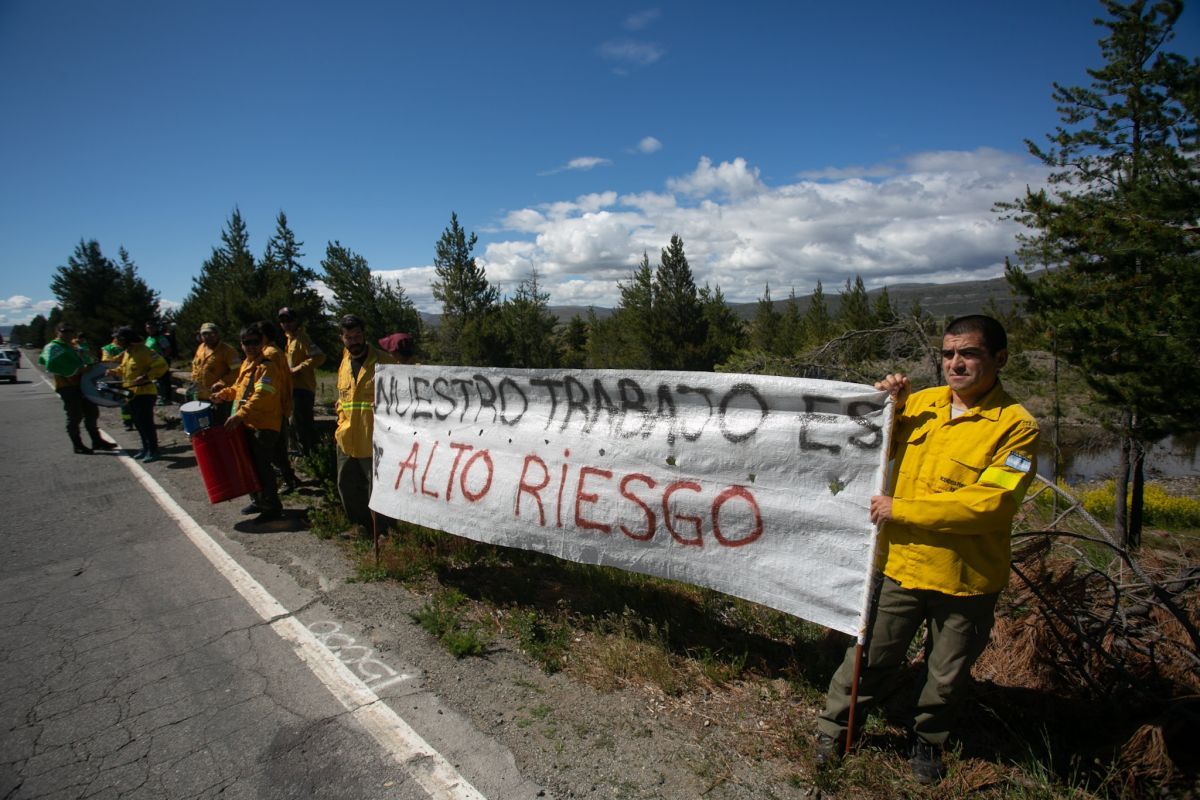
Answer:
[(427, 766)]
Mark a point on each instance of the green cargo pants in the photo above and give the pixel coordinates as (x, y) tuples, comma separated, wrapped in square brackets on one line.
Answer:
[(959, 628)]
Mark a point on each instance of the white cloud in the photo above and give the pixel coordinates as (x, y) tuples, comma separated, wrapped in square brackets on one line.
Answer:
[(642, 19), (732, 178), (649, 145), (20, 310), (583, 163), (631, 53), (924, 218)]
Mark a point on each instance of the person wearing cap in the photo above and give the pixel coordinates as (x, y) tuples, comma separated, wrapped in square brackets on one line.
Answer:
[(256, 403), (66, 363), (356, 421), (139, 368), (214, 365), (303, 357)]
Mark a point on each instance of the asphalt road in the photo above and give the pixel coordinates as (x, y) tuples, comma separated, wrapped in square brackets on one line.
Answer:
[(131, 666)]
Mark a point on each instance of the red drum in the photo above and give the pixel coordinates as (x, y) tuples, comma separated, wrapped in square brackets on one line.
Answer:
[(225, 463)]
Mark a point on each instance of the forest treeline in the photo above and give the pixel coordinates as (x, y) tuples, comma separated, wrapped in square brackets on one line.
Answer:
[(1107, 273)]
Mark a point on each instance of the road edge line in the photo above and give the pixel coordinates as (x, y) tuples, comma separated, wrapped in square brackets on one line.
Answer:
[(437, 776)]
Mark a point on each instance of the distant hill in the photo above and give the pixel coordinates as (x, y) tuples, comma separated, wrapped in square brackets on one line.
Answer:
[(938, 299)]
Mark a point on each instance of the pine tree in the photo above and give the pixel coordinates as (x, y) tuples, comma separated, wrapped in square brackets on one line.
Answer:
[(628, 338), (764, 328), (678, 318), (96, 295), (791, 327), (573, 343), (1117, 234), (469, 302), (529, 327), (284, 281), (725, 333), (818, 326), (383, 307)]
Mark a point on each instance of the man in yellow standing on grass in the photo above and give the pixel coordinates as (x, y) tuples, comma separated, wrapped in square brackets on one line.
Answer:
[(356, 423), (215, 362), (963, 456), (303, 357)]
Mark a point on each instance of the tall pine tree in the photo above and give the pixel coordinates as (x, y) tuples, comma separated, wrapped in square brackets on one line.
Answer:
[(469, 331), (1117, 235)]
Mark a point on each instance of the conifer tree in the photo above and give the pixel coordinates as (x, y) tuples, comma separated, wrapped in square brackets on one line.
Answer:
[(725, 334), (468, 331), (678, 317), (96, 295), (573, 343), (529, 327), (764, 328), (1117, 232), (284, 281), (791, 327), (818, 326), (383, 307)]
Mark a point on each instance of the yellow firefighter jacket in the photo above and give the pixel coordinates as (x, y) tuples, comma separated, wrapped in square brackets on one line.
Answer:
[(212, 364), (356, 403), (140, 367), (303, 357), (956, 484), (283, 377), (255, 395)]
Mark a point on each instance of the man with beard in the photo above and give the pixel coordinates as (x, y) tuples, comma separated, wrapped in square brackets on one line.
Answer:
[(356, 423)]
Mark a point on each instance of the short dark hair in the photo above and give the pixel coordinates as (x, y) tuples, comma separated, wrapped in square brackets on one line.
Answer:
[(251, 331), (127, 335), (65, 327), (350, 322), (994, 337)]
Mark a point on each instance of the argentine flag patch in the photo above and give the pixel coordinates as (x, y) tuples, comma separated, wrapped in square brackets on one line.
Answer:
[(1018, 462)]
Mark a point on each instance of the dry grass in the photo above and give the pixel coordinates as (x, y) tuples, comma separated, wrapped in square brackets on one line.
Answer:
[(1091, 703)]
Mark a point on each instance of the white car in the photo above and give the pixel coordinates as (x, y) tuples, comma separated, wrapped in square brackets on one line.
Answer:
[(8, 369), (12, 354)]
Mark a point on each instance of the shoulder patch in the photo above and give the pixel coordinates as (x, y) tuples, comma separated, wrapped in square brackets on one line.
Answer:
[(1018, 461)]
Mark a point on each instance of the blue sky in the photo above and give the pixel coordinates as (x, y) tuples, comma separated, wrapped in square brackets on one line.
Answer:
[(785, 142)]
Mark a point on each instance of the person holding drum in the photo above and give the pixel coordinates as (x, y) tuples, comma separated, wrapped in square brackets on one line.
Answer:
[(256, 405), (138, 369), (214, 367)]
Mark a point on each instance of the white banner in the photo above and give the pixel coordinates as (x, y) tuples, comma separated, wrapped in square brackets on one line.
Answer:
[(754, 485)]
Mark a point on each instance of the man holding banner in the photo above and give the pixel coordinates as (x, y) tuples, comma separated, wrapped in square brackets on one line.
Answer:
[(356, 423), (962, 458)]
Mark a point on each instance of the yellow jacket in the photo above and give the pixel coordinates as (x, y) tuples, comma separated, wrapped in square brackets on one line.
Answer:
[(356, 403), (255, 395), (284, 377), (140, 367), (212, 364), (303, 357), (956, 484)]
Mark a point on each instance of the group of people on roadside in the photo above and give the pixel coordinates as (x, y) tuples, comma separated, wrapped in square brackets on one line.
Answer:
[(268, 390), (962, 457)]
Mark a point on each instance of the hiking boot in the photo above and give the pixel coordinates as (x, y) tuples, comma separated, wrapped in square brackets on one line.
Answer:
[(102, 444), (926, 762), (829, 750), (151, 455), (269, 515), (251, 509), (82, 450)]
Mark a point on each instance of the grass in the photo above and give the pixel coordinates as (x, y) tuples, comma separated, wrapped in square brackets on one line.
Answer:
[(620, 630), (445, 617)]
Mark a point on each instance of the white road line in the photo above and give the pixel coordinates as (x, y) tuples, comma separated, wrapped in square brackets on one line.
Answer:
[(427, 766)]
